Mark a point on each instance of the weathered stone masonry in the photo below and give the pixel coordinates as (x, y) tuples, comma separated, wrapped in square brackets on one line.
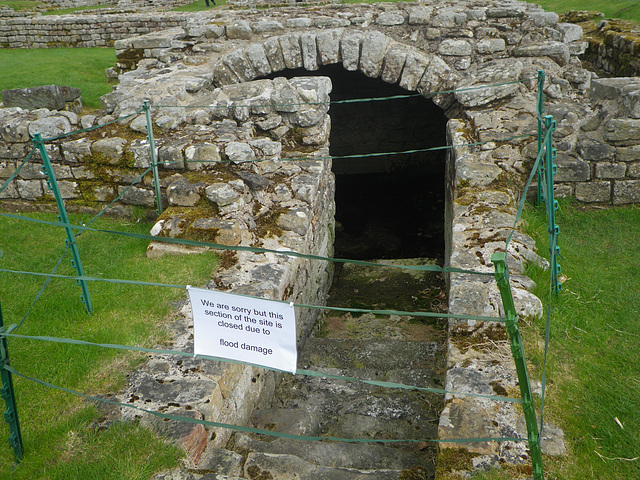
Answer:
[(423, 48), (18, 31)]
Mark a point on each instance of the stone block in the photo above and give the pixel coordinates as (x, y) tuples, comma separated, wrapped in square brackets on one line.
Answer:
[(32, 98), (544, 19), (291, 50), (557, 51), (223, 462), (15, 130), (593, 150), (507, 11), (266, 148), (296, 220), (267, 26), (456, 48), (239, 152), (141, 152), (329, 46), (633, 170), (374, 47), (593, 192), (330, 22), (222, 194), (393, 64), (570, 32), (563, 190), (390, 19), (239, 29), (9, 192), (444, 19), (222, 75), (420, 15), (626, 191), (612, 88), (623, 131), (202, 154), (571, 169), (61, 171), (50, 127), (239, 65), (31, 171), (109, 150), (68, 190), (273, 50), (300, 22), (350, 50), (7, 169), (309, 51), (490, 45), (183, 194), (610, 170), (225, 232), (75, 151), (137, 196), (258, 59), (171, 156), (82, 173), (414, 68), (29, 189), (103, 193), (631, 101)]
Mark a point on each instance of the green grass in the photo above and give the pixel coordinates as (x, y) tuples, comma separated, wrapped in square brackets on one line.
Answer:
[(593, 374), (81, 68), (65, 11), (623, 9), (198, 6), (59, 440), (20, 4)]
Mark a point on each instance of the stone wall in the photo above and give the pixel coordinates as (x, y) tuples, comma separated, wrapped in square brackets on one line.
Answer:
[(201, 78), (88, 30), (93, 168), (598, 144), (275, 190), (614, 46)]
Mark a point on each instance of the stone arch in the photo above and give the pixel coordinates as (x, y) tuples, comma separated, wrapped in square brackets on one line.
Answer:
[(371, 52), (374, 56)]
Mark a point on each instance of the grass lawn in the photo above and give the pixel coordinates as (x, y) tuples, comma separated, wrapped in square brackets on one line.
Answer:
[(81, 68), (593, 373), (199, 6), (20, 4), (60, 441), (623, 9), (65, 11)]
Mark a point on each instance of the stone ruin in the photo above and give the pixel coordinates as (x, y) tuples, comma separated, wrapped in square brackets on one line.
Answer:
[(218, 86)]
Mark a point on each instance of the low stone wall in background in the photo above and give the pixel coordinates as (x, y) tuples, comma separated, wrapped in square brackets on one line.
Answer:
[(94, 30)]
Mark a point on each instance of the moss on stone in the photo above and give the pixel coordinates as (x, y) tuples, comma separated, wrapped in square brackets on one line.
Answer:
[(453, 459)]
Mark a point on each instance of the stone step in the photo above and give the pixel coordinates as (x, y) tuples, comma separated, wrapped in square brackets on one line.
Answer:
[(336, 454), (319, 406), (387, 356), (290, 467)]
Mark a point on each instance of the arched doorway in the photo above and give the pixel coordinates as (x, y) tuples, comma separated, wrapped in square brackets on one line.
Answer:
[(387, 206)]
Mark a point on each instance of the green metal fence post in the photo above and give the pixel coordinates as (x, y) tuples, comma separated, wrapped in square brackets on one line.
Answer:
[(517, 350), (540, 112), (552, 204), (63, 217), (154, 160), (8, 394)]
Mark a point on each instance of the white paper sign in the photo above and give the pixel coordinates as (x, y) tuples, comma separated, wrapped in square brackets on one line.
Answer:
[(252, 330)]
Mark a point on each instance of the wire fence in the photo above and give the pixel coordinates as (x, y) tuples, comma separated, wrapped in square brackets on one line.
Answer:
[(543, 171)]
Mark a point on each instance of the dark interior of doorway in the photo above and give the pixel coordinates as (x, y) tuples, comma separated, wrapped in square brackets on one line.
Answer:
[(387, 206)]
